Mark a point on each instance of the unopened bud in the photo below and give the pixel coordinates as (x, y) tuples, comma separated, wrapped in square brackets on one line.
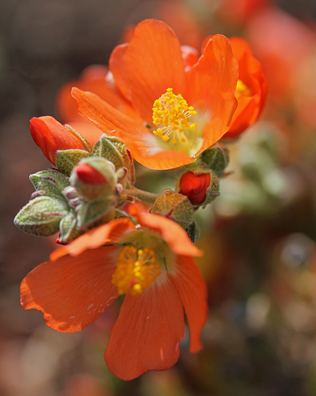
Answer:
[(215, 158), (88, 174), (175, 206), (200, 186), (94, 178)]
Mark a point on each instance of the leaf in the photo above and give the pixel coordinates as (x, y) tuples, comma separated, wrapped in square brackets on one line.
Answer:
[(193, 231), (114, 150), (68, 228), (66, 160), (111, 149), (41, 216), (90, 212), (49, 182)]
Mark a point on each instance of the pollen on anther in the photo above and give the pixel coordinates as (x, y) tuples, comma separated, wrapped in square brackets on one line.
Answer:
[(242, 89), (136, 270), (172, 116)]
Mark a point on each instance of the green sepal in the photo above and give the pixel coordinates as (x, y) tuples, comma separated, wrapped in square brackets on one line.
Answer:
[(213, 191), (114, 150), (176, 206), (49, 182), (41, 216), (66, 160), (193, 231), (91, 212), (68, 228), (215, 158)]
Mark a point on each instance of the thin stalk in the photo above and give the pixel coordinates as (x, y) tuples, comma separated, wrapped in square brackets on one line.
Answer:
[(141, 194)]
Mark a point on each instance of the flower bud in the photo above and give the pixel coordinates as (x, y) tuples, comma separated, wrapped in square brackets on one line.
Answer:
[(90, 175), (200, 186), (175, 206), (215, 158), (50, 135), (94, 178)]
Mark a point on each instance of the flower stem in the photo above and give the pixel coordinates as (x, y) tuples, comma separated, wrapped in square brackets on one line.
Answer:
[(141, 194)]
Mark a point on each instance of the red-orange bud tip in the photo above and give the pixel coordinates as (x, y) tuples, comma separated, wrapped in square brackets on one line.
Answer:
[(50, 135), (88, 174), (194, 186), (40, 133)]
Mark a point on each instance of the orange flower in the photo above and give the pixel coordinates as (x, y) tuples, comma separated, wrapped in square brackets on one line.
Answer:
[(152, 264), (251, 89), (241, 11), (282, 43), (176, 111)]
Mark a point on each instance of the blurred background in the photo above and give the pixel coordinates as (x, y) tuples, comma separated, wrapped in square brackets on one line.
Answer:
[(259, 235)]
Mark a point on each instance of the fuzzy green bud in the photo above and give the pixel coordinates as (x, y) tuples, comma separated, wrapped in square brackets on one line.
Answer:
[(175, 206), (215, 158), (94, 178)]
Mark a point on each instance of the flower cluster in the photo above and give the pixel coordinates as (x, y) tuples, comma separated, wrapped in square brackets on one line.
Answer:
[(167, 107)]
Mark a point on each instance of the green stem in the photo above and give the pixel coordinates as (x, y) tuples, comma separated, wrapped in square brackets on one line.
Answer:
[(141, 194)]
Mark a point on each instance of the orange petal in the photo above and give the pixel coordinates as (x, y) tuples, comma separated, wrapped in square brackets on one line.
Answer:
[(148, 331), (92, 79), (211, 87), (192, 291), (146, 150), (251, 74), (103, 115), (95, 79), (71, 292), (115, 64), (87, 130), (151, 63), (105, 234), (50, 135), (171, 232), (247, 112), (190, 56)]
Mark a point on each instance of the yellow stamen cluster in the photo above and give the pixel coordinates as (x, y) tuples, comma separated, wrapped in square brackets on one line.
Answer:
[(172, 117), (136, 269), (242, 89)]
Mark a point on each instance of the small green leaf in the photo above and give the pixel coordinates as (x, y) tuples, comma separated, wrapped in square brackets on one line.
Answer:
[(114, 150), (41, 216), (93, 211), (66, 160), (49, 182), (68, 228), (193, 231), (107, 148), (213, 191)]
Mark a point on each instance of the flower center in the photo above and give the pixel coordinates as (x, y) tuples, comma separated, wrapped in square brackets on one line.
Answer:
[(173, 118), (136, 270), (242, 89)]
